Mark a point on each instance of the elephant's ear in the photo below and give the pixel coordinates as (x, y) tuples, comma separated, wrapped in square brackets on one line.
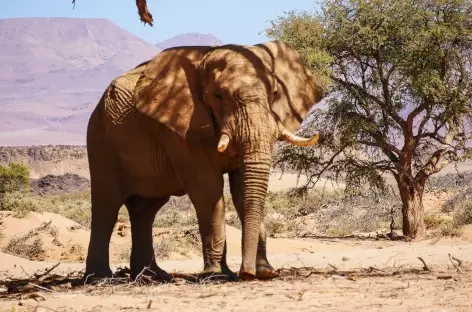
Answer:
[(167, 91), (297, 88)]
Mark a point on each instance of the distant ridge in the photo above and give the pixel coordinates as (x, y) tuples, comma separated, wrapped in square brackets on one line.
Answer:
[(189, 39), (54, 71)]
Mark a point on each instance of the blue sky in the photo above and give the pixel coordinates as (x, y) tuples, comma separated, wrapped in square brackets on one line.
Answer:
[(239, 21)]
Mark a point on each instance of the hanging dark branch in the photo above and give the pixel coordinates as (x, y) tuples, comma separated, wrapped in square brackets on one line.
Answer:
[(144, 14)]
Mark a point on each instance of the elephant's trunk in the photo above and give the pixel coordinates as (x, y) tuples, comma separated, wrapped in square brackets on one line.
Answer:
[(256, 169), (253, 131)]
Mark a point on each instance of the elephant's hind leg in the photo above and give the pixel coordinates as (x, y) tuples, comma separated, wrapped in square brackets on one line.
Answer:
[(106, 203), (142, 213), (104, 215)]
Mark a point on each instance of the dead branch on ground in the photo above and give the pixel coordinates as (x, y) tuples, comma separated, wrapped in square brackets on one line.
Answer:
[(425, 266), (459, 263)]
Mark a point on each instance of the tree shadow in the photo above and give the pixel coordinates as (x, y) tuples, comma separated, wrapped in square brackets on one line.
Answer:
[(49, 282)]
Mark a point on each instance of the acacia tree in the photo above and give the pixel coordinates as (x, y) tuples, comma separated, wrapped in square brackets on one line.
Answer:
[(399, 101), (144, 14)]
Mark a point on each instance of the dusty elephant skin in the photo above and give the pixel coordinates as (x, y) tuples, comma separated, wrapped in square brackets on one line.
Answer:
[(174, 125)]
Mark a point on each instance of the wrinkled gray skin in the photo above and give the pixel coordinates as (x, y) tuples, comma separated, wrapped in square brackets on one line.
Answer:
[(174, 126)]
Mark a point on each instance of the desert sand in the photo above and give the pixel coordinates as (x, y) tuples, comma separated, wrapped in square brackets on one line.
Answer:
[(323, 274), (442, 289)]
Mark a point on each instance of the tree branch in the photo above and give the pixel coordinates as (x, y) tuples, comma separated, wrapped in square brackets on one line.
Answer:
[(383, 81), (355, 88), (327, 165), (393, 158), (144, 14), (436, 162), (377, 135), (432, 166)]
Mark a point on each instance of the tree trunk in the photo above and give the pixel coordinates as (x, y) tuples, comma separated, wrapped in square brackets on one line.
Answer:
[(413, 210)]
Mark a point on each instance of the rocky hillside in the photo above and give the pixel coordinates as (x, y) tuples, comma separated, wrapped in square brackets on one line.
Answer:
[(45, 160), (59, 184), (53, 72)]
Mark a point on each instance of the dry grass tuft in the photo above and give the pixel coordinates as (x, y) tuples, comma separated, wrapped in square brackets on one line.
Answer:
[(451, 229), (30, 245), (183, 242), (432, 222)]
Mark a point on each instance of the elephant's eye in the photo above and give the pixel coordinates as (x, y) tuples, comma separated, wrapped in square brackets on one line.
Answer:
[(218, 96)]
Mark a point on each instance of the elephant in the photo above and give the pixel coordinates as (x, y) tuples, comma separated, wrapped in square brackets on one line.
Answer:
[(174, 125)]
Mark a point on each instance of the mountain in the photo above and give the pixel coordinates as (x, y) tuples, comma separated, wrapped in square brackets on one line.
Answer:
[(189, 39), (54, 71)]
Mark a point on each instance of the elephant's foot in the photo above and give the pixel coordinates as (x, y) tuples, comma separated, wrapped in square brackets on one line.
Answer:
[(247, 275), (218, 273), (247, 272), (265, 271), (96, 272), (154, 272)]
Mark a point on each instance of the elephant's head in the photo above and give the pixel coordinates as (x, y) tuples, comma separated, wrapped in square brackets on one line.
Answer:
[(252, 96)]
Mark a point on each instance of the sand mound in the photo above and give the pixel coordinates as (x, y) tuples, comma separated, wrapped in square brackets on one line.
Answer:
[(48, 237), (51, 237)]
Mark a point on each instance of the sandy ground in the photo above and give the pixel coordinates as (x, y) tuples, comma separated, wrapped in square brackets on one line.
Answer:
[(442, 289), (333, 292), (325, 292)]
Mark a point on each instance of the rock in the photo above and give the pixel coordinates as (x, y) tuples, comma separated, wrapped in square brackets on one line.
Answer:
[(59, 184)]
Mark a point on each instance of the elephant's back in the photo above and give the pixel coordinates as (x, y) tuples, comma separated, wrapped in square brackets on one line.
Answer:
[(118, 102)]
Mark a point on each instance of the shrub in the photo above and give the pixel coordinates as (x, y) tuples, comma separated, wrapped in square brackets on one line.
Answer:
[(232, 219), (20, 203), (463, 215), (459, 201), (433, 222), (164, 248), (181, 242), (178, 212), (342, 230), (13, 178), (449, 228), (74, 206)]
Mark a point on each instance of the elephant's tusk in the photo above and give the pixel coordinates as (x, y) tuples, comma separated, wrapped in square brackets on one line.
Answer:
[(223, 143), (299, 141)]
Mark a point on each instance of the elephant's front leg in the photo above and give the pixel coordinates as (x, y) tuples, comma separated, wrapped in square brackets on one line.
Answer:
[(263, 268), (211, 220)]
